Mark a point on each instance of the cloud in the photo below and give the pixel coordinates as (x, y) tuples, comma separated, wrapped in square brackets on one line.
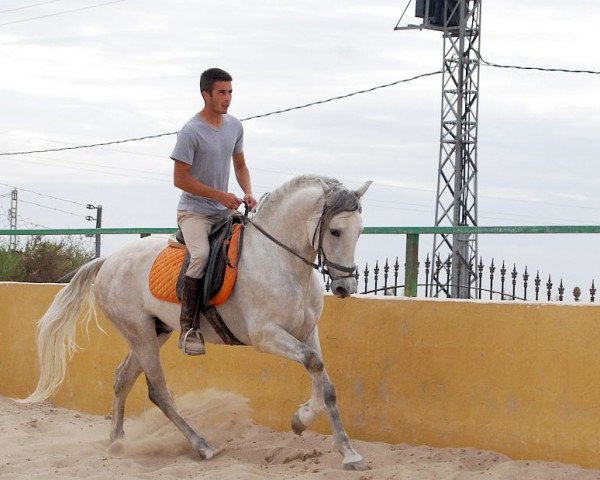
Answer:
[(131, 69)]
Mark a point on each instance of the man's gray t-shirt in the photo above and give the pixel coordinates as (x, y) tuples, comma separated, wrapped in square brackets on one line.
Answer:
[(208, 150)]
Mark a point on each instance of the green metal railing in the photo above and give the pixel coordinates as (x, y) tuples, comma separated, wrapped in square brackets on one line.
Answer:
[(412, 240), (412, 237)]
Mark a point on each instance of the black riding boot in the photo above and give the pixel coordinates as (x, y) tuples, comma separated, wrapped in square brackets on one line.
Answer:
[(190, 339)]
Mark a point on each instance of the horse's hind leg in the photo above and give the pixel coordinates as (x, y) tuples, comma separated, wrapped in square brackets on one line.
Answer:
[(126, 375), (160, 396), (323, 397), (145, 346)]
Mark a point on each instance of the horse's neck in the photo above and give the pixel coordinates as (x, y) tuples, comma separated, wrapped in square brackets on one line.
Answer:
[(286, 219)]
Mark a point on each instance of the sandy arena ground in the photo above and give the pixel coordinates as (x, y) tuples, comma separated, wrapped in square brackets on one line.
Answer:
[(45, 442)]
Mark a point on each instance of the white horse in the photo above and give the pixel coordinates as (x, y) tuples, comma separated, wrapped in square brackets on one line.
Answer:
[(308, 218)]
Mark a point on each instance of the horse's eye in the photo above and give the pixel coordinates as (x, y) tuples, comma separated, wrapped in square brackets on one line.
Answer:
[(335, 232)]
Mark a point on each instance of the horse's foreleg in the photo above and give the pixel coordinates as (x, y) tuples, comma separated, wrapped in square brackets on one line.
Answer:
[(352, 459), (126, 375), (323, 391), (309, 411), (278, 341)]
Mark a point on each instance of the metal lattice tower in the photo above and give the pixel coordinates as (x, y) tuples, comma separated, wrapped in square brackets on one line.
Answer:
[(12, 218), (456, 198)]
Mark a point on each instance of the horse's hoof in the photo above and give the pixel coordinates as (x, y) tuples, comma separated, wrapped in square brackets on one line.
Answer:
[(356, 466), (204, 449), (297, 426), (116, 448), (209, 453), (118, 435)]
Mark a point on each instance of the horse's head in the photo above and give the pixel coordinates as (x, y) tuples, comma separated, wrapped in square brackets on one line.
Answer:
[(338, 231), (333, 221)]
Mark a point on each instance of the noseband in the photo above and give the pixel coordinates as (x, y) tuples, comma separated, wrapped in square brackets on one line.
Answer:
[(323, 263)]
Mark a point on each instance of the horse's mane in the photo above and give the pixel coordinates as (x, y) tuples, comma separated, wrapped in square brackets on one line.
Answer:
[(339, 199)]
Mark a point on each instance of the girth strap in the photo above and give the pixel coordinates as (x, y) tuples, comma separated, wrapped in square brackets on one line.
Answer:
[(219, 326)]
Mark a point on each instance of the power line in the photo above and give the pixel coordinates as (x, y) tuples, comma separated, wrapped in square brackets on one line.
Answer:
[(28, 221), (275, 112), (541, 69), (52, 208), (91, 145), (60, 13), (311, 104), (158, 178), (340, 97), (44, 195), (113, 171), (97, 167), (47, 140), (29, 6)]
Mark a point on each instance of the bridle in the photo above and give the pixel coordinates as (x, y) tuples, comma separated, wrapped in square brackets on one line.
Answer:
[(323, 263)]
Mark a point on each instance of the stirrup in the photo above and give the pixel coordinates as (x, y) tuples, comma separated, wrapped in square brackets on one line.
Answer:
[(183, 342)]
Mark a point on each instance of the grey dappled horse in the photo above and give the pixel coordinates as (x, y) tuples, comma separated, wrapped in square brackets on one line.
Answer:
[(308, 218)]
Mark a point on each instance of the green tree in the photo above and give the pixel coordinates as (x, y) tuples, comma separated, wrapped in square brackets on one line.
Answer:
[(43, 260), (11, 267)]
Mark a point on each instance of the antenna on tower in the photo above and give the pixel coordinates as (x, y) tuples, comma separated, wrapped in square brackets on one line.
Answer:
[(456, 197)]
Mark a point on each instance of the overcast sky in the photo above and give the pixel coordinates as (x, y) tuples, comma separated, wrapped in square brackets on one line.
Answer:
[(85, 71)]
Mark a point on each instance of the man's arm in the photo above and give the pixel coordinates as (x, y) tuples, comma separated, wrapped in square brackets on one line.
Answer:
[(183, 179), (242, 175)]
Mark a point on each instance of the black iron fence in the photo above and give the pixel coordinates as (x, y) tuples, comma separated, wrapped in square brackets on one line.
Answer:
[(432, 279), (491, 282)]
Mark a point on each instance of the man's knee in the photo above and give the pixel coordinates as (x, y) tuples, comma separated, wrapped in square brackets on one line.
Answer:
[(197, 266)]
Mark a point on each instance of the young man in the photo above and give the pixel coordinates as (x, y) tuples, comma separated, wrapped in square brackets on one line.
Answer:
[(205, 147)]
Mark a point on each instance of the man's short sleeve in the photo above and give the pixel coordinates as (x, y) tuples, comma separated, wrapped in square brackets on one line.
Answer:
[(184, 148), (239, 144)]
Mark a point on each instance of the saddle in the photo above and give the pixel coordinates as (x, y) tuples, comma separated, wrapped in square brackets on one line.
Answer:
[(169, 267), (226, 240)]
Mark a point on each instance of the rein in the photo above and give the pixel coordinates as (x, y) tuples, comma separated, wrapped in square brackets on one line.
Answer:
[(323, 263)]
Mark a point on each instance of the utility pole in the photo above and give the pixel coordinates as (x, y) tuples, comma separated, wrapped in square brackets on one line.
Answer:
[(98, 219), (12, 218), (456, 198)]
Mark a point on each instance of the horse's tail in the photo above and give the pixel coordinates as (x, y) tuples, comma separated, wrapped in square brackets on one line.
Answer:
[(56, 329)]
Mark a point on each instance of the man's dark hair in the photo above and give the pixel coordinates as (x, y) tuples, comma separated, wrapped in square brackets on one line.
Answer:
[(212, 75)]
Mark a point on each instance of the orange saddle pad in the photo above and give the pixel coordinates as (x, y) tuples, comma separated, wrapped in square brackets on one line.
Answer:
[(167, 265)]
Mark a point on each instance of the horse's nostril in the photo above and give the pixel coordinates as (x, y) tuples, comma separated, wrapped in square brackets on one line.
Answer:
[(341, 292)]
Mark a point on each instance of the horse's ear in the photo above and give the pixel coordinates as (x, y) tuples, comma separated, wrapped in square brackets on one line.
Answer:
[(326, 188), (361, 191)]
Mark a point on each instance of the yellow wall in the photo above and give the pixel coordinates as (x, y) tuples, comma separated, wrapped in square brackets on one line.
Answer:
[(521, 379)]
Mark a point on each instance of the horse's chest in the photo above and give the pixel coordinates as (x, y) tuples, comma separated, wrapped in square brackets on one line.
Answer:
[(304, 318)]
